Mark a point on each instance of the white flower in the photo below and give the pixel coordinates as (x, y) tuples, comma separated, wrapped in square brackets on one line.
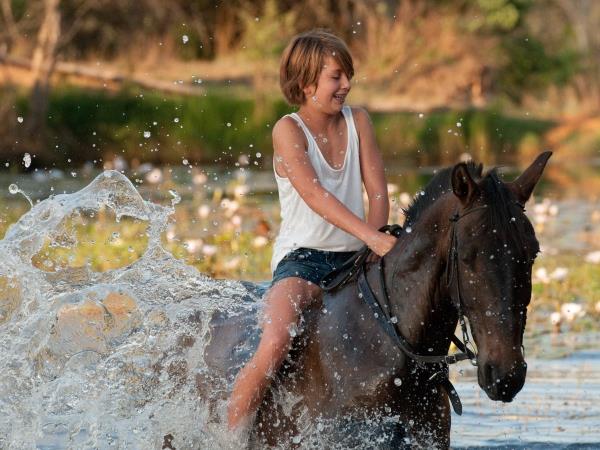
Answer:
[(119, 163), (233, 263), (154, 176), (559, 274), (209, 250), (236, 221), (199, 178), (541, 276), (540, 208), (259, 241), (193, 245), (572, 311), (241, 190), (593, 257), (405, 198), (203, 211), (230, 206)]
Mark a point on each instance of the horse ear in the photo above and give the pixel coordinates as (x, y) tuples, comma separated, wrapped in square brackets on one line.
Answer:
[(480, 170), (523, 186), (463, 185)]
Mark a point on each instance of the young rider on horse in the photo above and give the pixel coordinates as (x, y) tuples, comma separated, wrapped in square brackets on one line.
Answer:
[(323, 154)]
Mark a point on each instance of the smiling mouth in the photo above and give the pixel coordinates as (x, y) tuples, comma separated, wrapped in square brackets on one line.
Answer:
[(340, 98)]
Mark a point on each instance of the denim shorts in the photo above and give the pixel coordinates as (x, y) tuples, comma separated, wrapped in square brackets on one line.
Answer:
[(309, 264)]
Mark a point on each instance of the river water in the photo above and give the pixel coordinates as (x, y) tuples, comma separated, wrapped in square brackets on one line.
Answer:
[(115, 359)]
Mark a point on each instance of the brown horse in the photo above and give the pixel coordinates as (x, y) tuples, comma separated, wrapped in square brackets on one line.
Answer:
[(467, 248)]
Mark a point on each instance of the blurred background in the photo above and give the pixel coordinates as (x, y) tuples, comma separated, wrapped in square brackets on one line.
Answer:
[(181, 96)]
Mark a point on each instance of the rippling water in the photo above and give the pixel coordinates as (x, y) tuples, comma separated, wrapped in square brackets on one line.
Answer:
[(115, 359), (559, 407)]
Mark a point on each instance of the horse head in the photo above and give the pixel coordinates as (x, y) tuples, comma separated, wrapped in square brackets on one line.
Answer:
[(494, 248)]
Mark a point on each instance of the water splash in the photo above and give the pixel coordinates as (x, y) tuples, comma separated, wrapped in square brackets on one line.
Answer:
[(105, 359)]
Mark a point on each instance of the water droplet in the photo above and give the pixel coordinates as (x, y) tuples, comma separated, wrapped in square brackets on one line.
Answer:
[(20, 119), (185, 39), (176, 197), (397, 381), (293, 330), (176, 120), (228, 124), (13, 189), (394, 319), (26, 160), (488, 313), (147, 134), (408, 229)]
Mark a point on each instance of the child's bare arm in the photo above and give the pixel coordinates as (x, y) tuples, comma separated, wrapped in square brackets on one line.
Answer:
[(291, 156), (372, 170)]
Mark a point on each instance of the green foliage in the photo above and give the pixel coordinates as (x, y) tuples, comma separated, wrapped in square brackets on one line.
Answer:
[(265, 34), (87, 125), (436, 138), (219, 127), (531, 68)]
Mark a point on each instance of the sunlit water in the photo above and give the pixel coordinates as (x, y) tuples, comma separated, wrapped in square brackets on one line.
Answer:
[(116, 359)]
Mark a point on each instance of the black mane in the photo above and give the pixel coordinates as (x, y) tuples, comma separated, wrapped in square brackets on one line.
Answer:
[(439, 185), (505, 216)]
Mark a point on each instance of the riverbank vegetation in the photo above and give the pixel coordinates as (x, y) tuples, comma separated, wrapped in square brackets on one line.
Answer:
[(229, 235), (89, 81)]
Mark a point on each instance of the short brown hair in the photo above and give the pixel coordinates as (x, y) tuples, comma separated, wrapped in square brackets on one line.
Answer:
[(303, 60)]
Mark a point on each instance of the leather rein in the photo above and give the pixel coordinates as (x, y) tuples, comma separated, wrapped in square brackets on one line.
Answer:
[(382, 310), (466, 350)]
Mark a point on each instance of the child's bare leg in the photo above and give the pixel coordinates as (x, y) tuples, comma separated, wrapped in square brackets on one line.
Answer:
[(283, 304)]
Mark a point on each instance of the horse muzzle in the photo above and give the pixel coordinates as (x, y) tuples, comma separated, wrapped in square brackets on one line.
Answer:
[(500, 384)]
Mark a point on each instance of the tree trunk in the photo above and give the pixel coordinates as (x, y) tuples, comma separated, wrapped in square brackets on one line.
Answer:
[(42, 65)]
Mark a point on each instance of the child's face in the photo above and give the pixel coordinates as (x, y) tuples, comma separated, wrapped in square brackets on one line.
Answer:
[(331, 90)]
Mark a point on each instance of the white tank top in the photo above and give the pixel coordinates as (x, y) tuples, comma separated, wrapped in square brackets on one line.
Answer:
[(300, 225)]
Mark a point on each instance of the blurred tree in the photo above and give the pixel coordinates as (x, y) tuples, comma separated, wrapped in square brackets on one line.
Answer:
[(42, 66), (583, 16), (265, 33)]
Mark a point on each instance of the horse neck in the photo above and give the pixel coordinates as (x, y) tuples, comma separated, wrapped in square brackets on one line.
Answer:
[(416, 284)]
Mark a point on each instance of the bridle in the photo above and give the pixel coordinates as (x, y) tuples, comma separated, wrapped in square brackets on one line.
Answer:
[(453, 278), (356, 267), (382, 307), (382, 311)]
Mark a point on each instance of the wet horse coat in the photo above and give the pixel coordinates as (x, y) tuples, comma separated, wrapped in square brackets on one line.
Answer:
[(346, 374)]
